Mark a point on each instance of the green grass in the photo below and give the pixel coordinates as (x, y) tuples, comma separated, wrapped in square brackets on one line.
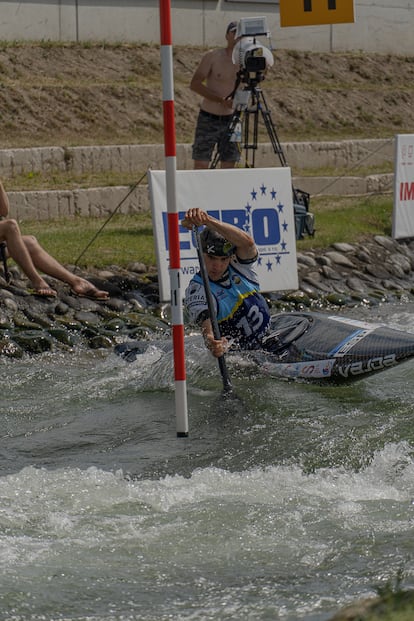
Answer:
[(349, 220), (124, 239), (69, 180)]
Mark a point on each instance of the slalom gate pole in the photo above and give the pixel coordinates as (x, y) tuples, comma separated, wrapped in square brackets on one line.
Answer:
[(172, 218)]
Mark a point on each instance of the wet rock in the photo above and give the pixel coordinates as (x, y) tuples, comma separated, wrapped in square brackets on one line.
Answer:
[(37, 319), (386, 242), (400, 260), (115, 325), (339, 259), (339, 287), (324, 260), (395, 270), (10, 304), (100, 342), (69, 323), (330, 273), (62, 336), (21, 321), (140, 332), (343, 247), (139, 299), (117, 305), (368, 278), (310, 291), (338, 299), (355, 284), (316, 281), (10, 349), (297, 297), (378, 271), (87, 318), (305, 259), (61, 308), (33, 341), (363, 256), (391, 284)]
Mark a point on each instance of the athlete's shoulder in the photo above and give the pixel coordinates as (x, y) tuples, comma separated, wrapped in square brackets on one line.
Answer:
[(194, 288)]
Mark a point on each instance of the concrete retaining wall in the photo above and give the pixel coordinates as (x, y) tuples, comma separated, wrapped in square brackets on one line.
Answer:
[(92, 202), (136, 159)]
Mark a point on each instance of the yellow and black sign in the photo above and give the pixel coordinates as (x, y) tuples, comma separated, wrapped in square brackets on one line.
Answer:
[(315, 12)]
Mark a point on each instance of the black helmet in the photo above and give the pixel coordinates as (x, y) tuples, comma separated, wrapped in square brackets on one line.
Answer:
[(215, 244)]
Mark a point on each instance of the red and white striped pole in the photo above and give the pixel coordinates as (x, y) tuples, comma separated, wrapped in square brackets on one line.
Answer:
[(172, 218)]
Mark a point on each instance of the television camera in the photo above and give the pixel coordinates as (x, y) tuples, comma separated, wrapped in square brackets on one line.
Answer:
[(252, 57)]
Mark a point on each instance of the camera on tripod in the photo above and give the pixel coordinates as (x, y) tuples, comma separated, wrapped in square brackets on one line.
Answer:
[(255, 63), (252, 57)]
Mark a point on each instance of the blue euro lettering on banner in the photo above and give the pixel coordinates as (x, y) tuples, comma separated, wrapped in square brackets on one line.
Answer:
[(214, 213), (266, 227), (237, 217)]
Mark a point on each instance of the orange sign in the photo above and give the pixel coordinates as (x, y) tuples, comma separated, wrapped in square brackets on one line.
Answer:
[(315, 12)]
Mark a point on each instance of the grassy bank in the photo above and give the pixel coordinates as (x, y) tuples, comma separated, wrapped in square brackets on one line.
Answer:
[(92, 242)]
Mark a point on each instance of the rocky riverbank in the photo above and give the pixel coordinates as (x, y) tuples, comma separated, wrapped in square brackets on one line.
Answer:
[(376, 271), (32, 324)]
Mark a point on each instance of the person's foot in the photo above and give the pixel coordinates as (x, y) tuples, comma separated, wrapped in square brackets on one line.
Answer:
[(85, 289), (43, 292)]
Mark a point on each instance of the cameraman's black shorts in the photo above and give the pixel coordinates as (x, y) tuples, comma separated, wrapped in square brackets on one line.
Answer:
[(211, 130)]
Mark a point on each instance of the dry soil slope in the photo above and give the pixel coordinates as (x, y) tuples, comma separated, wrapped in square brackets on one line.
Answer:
[(73, 94)]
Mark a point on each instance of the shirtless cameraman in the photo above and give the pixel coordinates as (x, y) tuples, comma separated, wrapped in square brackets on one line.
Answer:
[(215, 79)]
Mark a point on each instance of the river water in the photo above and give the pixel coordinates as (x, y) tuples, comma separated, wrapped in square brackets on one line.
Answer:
[(286, 503)]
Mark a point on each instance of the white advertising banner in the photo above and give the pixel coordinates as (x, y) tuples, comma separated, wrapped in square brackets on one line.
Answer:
[(258, 200), (403, 212)]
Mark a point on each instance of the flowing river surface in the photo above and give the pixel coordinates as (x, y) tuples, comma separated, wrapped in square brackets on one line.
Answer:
[(286, 503)]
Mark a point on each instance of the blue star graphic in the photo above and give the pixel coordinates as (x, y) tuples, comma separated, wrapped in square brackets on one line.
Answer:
[(278, 259), (280, 207), (263, 189), (269, 266), (254, 194), (285, 226), (273, 194), (283, 245)]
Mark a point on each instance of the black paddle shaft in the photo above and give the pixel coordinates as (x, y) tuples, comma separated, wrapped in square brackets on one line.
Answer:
[(212, 311)]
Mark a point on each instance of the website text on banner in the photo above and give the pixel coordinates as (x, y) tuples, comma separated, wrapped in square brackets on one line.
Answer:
[(403, 212), (258, 200)]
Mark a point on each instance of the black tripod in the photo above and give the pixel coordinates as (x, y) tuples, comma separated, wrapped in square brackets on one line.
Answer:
[(246, 116), (244, 128)]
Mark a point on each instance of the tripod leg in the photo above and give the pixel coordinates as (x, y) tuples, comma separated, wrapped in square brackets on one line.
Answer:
[(271, 129), (225, 139)]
